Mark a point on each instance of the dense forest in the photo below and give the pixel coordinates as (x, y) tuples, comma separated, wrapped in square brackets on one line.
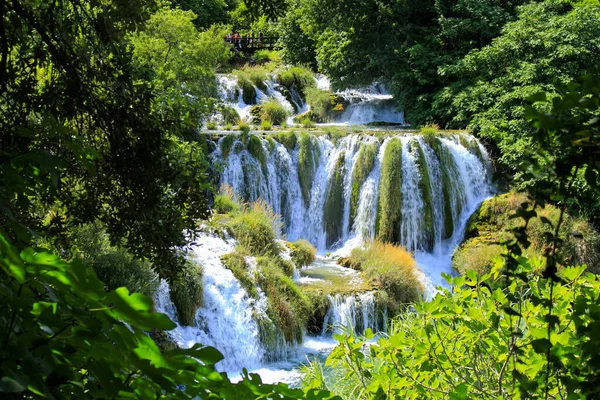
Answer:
[(147, 150)]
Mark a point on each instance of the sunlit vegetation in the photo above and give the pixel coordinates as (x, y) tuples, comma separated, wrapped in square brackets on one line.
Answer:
[(390, 188), (302, 252)]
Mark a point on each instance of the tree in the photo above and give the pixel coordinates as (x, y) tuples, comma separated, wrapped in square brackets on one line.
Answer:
[(208, 12)]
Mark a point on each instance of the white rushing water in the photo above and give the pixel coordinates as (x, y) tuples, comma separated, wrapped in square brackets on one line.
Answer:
[(364, 105)]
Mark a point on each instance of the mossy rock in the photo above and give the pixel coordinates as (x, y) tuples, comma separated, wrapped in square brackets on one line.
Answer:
[(236, 263), (226, 144), (427, 223), (319, 305), (288, 139), (349, 262), (334, 202), (186, 292), (308, 162), (362, 168), (389, 210), (256, 149), (310, 115), (230, 115)]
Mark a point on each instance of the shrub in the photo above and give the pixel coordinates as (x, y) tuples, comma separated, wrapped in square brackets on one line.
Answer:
[(288, 139), (228, 126), (256, 229), (324, 105), (113, 265), (186, 292), (244, 128), (230, 115), (299, 78), (266, 125), (308, 123), (211, 125), (302, 252), (310, 115), (226, 201), (274, 112), (392, 269), (236, 263)]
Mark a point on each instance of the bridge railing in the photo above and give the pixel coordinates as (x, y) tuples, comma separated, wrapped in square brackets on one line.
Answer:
[(252, 43)]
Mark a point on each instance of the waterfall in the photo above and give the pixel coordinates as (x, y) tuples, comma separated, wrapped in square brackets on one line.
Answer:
[(442, 181), (225, 321), (355, 313)]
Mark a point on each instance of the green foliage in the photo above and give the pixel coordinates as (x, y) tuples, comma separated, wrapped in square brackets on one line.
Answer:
[(302, 252), (308, 162), (186, 292), (264, 56), (298, 46), (256, 149), (308, 123), (323, 104), (391, 269), (491, 224), (288, 139), (427, 225), (362, 168), (462, 343), (226, 144), (236, 263), (244, 128), (297, 78), (287, 306), (249, 78), (230, 115), (266, 125), (334, 202), (211, 125), (389, 209), (207, 12), (273, 111), (256, 228), (113, 265), (226, 201)]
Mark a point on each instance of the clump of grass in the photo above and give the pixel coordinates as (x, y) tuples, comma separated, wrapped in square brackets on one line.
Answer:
[(334, 203), (302, 252), (430, 132), (298, 78), (244, 128), (274, 112), (228, 126), (477, 256), (226, 201), (186, 292), (392, 269), (246, 86), (256, 229), (389, 211), (211, 125), (266, 125), (307, 115), (319, 304), (308, 123), (264, 56), (230, 115), (364, 164), (236, 263), (288, 139), (319, 101), (308, 161), (256, 75)]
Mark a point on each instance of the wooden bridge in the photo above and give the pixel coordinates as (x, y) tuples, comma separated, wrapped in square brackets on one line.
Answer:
[(250, 44)]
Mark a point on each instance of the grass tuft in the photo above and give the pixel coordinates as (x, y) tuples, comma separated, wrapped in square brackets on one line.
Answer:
[(302, 252), (256, 227)]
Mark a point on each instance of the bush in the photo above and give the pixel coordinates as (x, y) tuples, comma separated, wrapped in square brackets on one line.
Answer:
[(307, 115), (491, 224), (392, 269), (211, 125), (298, 78), (288, 139), (226, 201), (230, 115), (244, 128), (274, 112), (186, 292), (266, 125), (256, 229), (324, 105), (228, 126), (308, 123), (302, 252), (113, 265)]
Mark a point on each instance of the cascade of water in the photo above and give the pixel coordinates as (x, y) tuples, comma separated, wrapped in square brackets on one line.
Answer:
[(354, 312), (225, 320), (352, 144), (412, 201)]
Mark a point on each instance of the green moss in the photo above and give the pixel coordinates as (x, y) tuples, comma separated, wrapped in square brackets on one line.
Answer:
[(308, 161), (186, 292), (319, 304), (364, 164), (302, 252), (256, 114), (389, 211), (256, 149), (226, 145), (248, 90), (427, 224), (236, 263), (230, 115), (288, 139), (287, 306), (254, 229), (334, 202), (297, 78)]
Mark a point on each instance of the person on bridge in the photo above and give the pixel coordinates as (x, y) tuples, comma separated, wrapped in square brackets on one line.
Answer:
[(237, 39)]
